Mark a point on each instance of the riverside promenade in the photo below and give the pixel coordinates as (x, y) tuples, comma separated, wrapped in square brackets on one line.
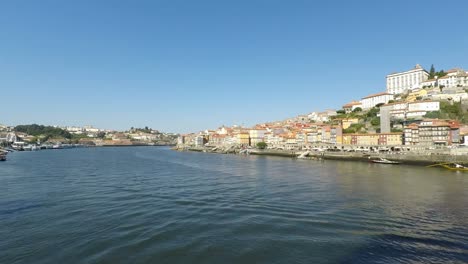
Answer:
[(411, 157)]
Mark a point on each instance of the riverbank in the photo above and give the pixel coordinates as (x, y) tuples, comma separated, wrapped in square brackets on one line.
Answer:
[(421, 158)]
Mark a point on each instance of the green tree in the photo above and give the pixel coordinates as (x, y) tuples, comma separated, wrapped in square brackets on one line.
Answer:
[(44, 131), (440, 73), (375, 121), (261, 145), (432, 72), (340, 112), (101, 134), (353, 128), (433, 114), (357, 109), (372, 112)]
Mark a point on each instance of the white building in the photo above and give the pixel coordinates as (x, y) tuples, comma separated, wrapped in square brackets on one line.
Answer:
[(399, 82), (199, 141), (273, 140), (321, 116), (456, 97), (409, 110), (429, 83), (312, 137), (256, 136), (349, 107), (427, 106), (91, 129), (454, 78), (374, 99)]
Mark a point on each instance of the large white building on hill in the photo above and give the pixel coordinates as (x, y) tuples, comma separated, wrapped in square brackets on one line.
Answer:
[(399, 82), (372, 100)]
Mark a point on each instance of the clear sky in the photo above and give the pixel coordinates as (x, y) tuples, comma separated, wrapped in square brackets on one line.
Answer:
[(181, 66)]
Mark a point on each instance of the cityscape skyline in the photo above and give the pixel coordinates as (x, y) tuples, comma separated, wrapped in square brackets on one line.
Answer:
[(183, 67)]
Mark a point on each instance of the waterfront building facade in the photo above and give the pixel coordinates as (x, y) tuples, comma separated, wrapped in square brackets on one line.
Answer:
[(257, 136), (401, 81), (217, 139), (432, 132), (199, 141), (390, 139), (243, 138), (273, 140), (361, 139), (301, 138), (373, 139)]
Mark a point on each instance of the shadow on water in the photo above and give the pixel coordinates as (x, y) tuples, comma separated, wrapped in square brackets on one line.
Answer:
[(392, 248)]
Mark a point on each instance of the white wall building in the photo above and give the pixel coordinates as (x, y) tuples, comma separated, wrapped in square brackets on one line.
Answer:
[(256, 136), (91, 129), (413, 109), (374, 99), (456, 97), (321, 116), (273, 140), (427, 106), (349, 107), (408, 80), (454, 78), (199, 141)]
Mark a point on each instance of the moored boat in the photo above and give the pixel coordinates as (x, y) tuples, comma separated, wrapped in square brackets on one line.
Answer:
[(451, 166), (3, 155), (384, 161)]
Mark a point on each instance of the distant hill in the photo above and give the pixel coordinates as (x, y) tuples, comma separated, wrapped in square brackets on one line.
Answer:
[(43, 131)]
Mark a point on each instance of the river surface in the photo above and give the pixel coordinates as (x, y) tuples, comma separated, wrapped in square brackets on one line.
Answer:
[(155, 205)]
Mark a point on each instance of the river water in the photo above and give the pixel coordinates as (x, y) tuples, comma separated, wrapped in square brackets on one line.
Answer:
[(155, 205)]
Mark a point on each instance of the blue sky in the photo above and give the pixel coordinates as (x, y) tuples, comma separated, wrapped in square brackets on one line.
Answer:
[(181, 66)]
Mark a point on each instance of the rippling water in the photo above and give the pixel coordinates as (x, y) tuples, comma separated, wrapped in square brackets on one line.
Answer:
[(154, 205)]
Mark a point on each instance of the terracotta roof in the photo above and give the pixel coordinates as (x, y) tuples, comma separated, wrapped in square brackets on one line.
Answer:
[(454, 70), (352, 103)]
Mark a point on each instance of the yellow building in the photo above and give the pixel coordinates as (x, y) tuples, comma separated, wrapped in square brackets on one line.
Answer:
[(243, 138), (347, 122), (387, 139), (347, 139), (391, 139), (415, 94), (361, 139), (368, 139)]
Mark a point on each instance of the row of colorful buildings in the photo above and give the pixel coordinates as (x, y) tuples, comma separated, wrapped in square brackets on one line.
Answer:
[(428, 132)]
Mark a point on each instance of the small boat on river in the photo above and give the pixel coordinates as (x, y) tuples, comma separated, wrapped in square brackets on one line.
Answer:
[(384, 161), (451, 166), (3, 155)]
